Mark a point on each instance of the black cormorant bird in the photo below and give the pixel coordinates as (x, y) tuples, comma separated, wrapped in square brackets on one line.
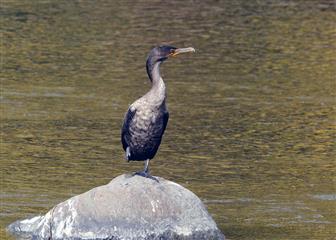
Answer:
[(147, 118)]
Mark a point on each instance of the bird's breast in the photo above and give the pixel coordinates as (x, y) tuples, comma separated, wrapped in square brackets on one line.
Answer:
[(144, 119), (148, 116)]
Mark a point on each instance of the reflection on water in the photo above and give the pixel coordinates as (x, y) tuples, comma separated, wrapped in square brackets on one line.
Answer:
[(252, 113)]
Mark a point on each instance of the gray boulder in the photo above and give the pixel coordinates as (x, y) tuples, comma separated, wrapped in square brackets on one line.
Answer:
[(128, 208)]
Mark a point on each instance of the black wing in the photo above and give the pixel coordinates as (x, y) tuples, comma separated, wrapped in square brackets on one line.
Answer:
[(125, 128), (165, 121)]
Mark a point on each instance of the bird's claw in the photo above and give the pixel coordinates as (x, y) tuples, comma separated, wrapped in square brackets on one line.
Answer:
[(146, 175)]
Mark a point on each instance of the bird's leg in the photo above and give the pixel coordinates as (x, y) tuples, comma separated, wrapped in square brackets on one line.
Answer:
[(145, 172)]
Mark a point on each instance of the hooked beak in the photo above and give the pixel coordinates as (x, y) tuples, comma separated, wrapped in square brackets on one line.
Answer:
[(182, 50)]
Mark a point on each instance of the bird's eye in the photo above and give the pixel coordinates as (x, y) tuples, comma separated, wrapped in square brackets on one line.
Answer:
[(171, 51)]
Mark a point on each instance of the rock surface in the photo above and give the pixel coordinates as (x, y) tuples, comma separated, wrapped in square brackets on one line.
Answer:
[(128, 208)]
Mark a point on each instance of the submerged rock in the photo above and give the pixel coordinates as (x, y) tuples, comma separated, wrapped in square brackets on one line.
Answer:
[(130, 208)]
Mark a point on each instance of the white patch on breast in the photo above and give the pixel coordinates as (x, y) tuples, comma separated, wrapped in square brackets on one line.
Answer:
[(153, 119)]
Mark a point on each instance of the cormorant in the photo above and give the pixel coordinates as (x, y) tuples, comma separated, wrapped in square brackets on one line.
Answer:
[(147, 118)]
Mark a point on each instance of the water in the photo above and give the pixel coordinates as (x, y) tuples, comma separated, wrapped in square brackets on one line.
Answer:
[(252, 112)]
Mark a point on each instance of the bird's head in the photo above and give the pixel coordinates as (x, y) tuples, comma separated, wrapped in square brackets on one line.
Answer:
[(162, 53)]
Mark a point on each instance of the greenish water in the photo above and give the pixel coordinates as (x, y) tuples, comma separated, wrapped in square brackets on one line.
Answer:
[(252, 112)]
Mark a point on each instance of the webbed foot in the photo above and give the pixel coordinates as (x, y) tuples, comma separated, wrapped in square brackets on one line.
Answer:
[(146, 175)]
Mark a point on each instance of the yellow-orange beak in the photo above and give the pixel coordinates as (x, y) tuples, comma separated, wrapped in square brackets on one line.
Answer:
[(182, 50)]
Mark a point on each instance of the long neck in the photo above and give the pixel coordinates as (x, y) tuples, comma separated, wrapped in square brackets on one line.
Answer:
[(158, 90)]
